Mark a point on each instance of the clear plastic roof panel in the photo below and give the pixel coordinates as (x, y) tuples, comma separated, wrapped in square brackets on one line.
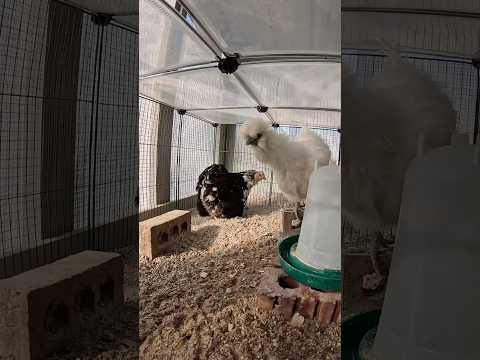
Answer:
[(229, 116), (252, 27), (295, 84), (196, 89), (166, 42), (471, 6), (309, 118), (416, 32), (113, 7)]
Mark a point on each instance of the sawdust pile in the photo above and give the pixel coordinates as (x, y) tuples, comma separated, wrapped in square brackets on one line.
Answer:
[(198, 301)]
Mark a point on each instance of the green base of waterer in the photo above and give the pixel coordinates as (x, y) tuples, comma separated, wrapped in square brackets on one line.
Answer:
[(358, 334), (325, 280)]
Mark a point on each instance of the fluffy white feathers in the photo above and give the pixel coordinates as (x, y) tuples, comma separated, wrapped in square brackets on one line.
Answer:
[(381, 123), (292, 160)]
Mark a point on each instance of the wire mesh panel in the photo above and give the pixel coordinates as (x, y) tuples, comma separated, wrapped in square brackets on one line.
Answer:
[(68, 135), (456, 78), (195, 153), (174, 150)]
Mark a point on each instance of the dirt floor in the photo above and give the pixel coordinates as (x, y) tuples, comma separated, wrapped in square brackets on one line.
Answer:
[(198, 301)]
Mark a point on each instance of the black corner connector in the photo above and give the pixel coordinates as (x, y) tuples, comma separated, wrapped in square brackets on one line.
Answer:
[(229, 64), (101, 19), (215, 125), (275, 125), (262, 109), (476, 62), (182, 111)]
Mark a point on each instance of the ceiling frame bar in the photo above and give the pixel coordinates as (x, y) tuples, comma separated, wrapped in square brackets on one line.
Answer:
[(216, 52), (269, 107), (182, 69), (412, 11), (245, 61)]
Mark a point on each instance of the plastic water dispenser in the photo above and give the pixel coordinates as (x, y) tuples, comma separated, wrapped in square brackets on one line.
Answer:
[(314, 257), (319, 244), (431, 303)]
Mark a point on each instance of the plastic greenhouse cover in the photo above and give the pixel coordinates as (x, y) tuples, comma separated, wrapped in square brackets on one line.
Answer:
[(310, 118), (167, 42), (416, 32), (229, 116), (316, 84), (204, 89), (112, 7), (445, 5), (252, 27)]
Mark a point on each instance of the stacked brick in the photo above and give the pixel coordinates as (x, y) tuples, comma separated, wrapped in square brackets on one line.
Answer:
[(281, 293)]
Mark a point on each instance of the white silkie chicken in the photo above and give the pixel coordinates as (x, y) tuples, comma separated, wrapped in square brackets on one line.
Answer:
[(382, 123), (292, 160)]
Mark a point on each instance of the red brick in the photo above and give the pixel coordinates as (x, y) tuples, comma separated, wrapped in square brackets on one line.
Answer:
[(287, 216), (290, 297), (265, 303), (286, 306), (306, 307), (325, 313)]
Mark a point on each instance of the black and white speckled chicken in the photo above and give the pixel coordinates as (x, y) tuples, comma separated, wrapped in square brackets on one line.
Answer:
[(224, 194)]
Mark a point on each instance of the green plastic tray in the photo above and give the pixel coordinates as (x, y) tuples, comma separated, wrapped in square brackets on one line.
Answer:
[(356, 329), (325, 280)]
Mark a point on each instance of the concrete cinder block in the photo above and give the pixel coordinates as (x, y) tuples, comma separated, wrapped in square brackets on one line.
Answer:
[(159, 233), (41, 309)]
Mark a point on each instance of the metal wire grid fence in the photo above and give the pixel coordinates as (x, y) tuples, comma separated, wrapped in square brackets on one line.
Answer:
[(68, 134), (175, 149), (457, 78), (267, 192)]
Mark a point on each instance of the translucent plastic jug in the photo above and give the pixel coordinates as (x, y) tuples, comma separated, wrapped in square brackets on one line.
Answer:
[(431, 304), (319, 243)]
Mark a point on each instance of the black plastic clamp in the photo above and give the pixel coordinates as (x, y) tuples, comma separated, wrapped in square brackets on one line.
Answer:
[(476, 62), (102, 19), (229, 64)]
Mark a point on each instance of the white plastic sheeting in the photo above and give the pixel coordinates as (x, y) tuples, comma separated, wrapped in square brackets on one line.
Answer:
[(206, 88), (440, 27), (252, 27), (467, 6), (228, 116), (124, 12), (166, 42), (289, 53), (295, 84)]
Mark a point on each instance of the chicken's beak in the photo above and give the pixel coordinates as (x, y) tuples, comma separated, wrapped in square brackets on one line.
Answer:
[(251, 141), (260, 175)]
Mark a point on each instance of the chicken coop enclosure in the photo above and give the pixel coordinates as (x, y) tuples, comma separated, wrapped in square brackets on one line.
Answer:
[(203, 73), (441, 39), (68, 130), (175, 149)]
